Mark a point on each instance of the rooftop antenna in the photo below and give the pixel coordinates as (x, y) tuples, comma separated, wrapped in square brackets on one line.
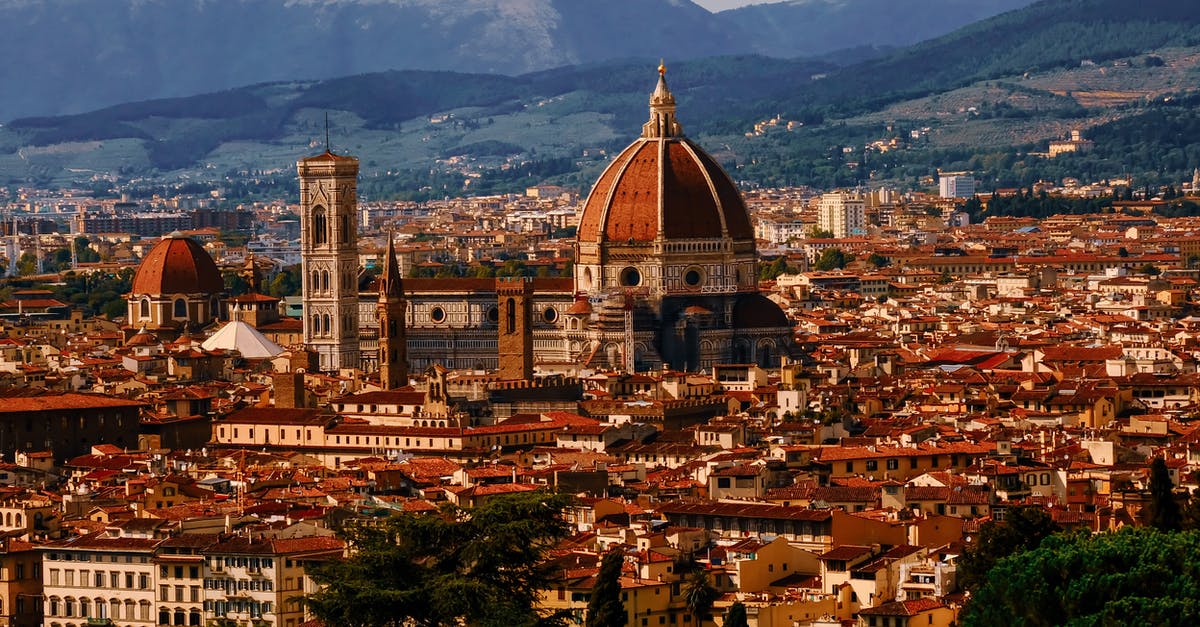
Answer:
[(327, 132)]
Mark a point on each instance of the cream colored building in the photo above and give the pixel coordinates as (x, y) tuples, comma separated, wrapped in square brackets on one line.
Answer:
[(99, 577), (842, 213)]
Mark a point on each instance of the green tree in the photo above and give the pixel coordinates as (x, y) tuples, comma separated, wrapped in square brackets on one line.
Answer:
[(1023, 529), (1149, 269), (832, 259), (771, 271), (1190, 518), (83, 253), (605, 608), (819, 233), (699, 595), (1163, 511), (286, 283), (475, 566), (735, 616), (877, 260), (27, 264), (1136, 576)]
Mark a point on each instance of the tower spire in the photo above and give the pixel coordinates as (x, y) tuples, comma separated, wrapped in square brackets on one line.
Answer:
[(393, 335), (662, 121)]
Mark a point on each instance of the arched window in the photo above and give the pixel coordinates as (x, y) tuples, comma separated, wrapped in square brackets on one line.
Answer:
[(345, 235), (181, 310), (320, 230), (510, 316), (325, 328), (314, 282), (314, 325), (194, 618), (144, 308), (325, 280)]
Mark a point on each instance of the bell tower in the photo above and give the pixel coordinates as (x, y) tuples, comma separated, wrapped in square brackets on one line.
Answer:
[(515, 339), (329, 258), (393, 337)]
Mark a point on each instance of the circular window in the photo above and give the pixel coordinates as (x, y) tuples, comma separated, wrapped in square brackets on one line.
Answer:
[(631, 277), (693, 277), (550, 315), (437, 314), (493, 314)]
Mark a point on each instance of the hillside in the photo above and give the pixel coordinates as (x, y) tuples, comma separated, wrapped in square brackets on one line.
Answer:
[(969, 100), (69, 56)]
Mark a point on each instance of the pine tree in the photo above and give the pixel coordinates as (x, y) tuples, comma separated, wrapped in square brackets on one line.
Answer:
[(605, 608), (1163, 511)]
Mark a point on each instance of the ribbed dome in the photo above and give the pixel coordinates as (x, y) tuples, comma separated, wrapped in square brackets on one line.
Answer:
[(663, 185), (178, 265), (668, 186)]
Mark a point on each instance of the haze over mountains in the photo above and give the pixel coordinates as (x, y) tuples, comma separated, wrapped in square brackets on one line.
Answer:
[(69, 56), (977, 99)]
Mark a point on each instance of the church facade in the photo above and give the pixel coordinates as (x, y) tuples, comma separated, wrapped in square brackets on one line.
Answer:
[(665, 275)]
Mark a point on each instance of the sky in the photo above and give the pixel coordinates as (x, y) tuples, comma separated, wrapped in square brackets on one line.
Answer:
[(721, 5)]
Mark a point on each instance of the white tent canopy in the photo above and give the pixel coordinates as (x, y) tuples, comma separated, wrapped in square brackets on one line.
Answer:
[(243, 338)]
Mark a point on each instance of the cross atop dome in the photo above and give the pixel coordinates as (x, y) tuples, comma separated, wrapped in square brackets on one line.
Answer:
[(662, 121)]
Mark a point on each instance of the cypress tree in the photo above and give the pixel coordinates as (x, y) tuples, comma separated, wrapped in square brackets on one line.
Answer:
[(605, 608), (1163, 510), (735, 616)]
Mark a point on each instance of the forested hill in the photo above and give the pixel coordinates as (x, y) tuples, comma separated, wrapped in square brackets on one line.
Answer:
[(410, 119), (1044, 35)]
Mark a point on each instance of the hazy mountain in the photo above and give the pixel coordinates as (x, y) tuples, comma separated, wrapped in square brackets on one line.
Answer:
[(411, 119), (814, 27), (67, 56)]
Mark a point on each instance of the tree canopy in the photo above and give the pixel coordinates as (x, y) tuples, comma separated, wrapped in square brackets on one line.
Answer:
[(478, 566), (832, 259), (1137, 574), (1023, 529)]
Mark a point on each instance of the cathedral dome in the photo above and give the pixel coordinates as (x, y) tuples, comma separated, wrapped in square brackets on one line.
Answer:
[(663, 186), (177, 265)]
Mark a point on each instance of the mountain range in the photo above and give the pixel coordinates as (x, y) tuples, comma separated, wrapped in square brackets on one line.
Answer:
[(69, 56), (976, 98)]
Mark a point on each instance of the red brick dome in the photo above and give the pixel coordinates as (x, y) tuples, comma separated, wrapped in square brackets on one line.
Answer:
[(663, 185), (178, 265)]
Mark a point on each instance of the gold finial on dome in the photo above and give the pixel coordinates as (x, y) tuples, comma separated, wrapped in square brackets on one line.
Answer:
[(662, 67)]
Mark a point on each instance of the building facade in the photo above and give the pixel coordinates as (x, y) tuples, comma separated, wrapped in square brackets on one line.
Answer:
[(842, 214)]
